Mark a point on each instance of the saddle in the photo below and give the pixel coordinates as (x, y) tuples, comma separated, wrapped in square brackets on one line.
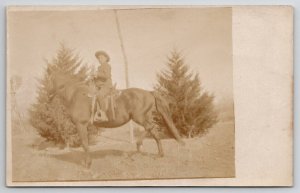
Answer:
[(108, 99)]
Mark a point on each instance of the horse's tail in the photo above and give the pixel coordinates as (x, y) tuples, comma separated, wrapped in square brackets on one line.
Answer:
[(163, 108)]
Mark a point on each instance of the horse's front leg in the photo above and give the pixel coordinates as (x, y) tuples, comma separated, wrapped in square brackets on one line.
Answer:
[(83, 134), (139, 143), (155, 135)]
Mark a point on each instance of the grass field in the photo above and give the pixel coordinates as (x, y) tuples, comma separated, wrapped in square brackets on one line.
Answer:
[(115, 158)]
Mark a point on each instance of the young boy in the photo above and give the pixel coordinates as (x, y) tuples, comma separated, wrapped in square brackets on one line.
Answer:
[(103, 82)]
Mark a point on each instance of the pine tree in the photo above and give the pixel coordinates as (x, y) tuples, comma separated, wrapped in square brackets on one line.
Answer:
[(191, 107), (49, 116)]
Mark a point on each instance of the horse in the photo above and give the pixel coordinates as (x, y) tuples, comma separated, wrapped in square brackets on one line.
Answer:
[(131, 104)]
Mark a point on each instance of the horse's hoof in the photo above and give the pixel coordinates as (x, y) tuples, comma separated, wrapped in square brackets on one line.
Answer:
[(95, 176), (181, 143), (142, 153), (86, 164), (86, 170), (139, 148), (160, 155), (82, 163)]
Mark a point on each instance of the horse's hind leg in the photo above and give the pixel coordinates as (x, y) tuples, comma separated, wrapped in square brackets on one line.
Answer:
[(151, 128), (83, 134)]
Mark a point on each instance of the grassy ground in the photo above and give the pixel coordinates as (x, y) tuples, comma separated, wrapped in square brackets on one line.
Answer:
[(115, 158)]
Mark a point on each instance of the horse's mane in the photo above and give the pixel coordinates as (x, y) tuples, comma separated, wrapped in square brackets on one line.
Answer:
[(66, 84), (65, 79)]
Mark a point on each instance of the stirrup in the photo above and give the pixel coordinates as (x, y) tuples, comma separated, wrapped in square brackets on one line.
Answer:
[(102, 118)]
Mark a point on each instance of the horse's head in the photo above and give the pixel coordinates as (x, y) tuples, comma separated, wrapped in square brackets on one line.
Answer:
[(62, 83)]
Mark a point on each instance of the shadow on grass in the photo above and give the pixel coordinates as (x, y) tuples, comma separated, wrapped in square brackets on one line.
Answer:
[(77, 157)]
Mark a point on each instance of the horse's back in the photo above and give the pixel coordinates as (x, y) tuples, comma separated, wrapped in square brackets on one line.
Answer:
[(136, 91), (137, 95), (138, 103)]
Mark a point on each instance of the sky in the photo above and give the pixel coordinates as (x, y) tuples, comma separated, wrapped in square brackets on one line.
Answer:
[(202, 35)]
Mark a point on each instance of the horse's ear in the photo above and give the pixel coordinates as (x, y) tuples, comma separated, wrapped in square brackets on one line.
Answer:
[(52, 70)]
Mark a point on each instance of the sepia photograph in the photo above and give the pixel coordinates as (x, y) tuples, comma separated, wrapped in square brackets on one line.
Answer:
[(121, 94)]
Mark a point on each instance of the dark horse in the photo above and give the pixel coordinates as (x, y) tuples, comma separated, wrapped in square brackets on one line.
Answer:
[(131, 104)]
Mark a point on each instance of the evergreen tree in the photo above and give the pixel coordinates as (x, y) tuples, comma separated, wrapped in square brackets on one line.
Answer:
[(191, 107), (48, 115)]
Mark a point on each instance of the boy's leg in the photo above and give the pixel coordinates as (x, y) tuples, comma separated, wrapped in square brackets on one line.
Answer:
[(100, 113)]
